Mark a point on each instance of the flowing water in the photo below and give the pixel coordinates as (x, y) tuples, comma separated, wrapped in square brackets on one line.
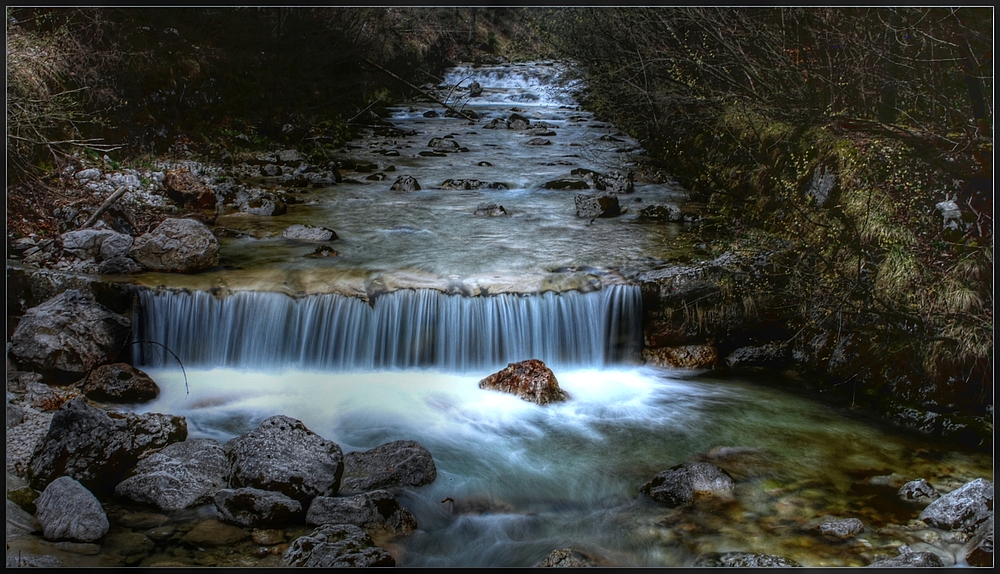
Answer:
[(389, 340)]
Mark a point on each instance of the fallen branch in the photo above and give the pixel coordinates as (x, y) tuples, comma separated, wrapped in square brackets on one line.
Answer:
[(104, 207), (187, 391), (425, 94)]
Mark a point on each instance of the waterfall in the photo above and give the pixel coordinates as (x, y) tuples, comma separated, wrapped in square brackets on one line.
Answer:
[(403, 329)]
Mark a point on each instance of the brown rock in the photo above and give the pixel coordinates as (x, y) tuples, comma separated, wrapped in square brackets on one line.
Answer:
[(530, 380), (184, 188), (682, 357)]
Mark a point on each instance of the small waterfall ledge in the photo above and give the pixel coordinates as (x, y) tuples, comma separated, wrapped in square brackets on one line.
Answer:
[(411, 328)]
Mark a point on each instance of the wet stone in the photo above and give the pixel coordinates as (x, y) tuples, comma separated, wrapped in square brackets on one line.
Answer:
[(841, 529), (919, 491), (910, 560), (744, 560)]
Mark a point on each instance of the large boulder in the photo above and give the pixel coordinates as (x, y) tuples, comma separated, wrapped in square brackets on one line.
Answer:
[(85, 243), (255, 508), (68, 511), (96, 447), (178, 246), (979, 550), (963, 509), (593, 206), (677, 486), (336, 546), (530, 380), (371, 511), (68, 335), (182, 475), (120, 383), (401, 463), (282, 455)]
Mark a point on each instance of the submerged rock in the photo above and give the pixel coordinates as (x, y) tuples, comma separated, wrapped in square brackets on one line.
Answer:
[(401, 463), (96, 447), (910, 560), (530, 380), (677, 486), (120, 383), (566, 184), (963, 509), (281, 454), (405, 183), (336, 546), (371, 511), (840, 529), (68, 335), (309, 233), (181, 475), (488, 209), (177, 246), (68, 511)]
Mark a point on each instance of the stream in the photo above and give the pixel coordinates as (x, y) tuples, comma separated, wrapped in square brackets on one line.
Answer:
[(388, 340)]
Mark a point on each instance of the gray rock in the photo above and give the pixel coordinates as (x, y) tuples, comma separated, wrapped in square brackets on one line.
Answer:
[(444, 144), (19, 521), (918, 491), (517, 122), (182, 475), (42, 397), (85, 243), (910, 560), (96, 447), (963, 509), (592, 206), (566, 558), (979, 550), (177, 246), (255, 508), (68, 511), (116, 245), (371, 511), (405, 183), (666, 213), (539, 141), (88, 174), (68, 335), (744, 560), (845, 528), (615, 182), (951, 215), (266, 205), (770, 355), (822, 184), (488, 209), (290, 157), (281, 454), (336, 546), (120, 383), (309, 233), (119, 266), (676, 486), (401, 463)]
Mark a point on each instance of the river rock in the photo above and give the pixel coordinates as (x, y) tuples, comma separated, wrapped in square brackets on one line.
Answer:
[(405, 183), (42, 397), (177, 246), (336, 546), (119, 266), (266, 205), (19, 521), (444, 144), (117, 245), (678, 485), (919, 491), (184, 188), (376, 510), (774, 355), (120, 383), (682, 357), (85, 243), (68, 511), (530, 380), (96, 447), (539, 141), (401, 463), (566, 558), (743, 560), (475, 90), (282, 455), (309, 233), (841, 529), (979, 550), (667, 212), (517, 122), (489, 209), (615, 181), (255, 508), (290, 157), (182, 475), (566, 184), (963, 509), (592, 206), (910, 560), (68, 335)]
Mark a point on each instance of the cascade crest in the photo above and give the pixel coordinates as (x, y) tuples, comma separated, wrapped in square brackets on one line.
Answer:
[(403, 329)]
